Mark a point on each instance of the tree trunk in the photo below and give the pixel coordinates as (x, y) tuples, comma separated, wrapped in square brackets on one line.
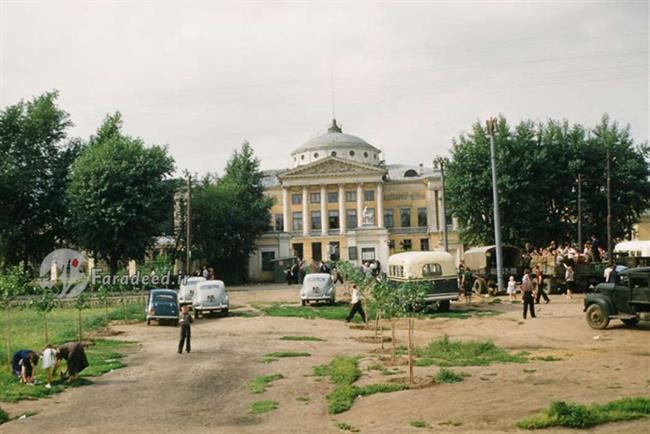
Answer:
[(410, 345), (106, 314), (47, 340), (7, 337), (79, 320), (112, 265), (393, 340)]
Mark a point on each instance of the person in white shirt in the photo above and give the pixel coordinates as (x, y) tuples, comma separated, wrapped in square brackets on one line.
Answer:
[(512, 288), (48, 361), (356, 305)]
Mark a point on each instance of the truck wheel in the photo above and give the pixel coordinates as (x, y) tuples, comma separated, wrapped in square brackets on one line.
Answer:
[(596, 317), (175, 323), (303, 302), (225, 312), (148, 322), (197, 314), (443, 306), (630, 322)]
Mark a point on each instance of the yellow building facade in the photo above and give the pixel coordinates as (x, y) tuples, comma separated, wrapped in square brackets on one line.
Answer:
[(339, 200)]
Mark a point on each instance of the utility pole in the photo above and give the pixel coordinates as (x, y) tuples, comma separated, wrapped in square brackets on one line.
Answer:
[(491, 127), (445, 235), (188, 241), (579, 210), (609, 205)]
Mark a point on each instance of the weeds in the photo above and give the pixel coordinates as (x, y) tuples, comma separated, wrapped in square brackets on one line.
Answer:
[(450, 423), (261, 383), (302, 338), (303, 398), (3, 416), (448, 376), (260, 407), (549, 358), (572, 415), (445, 353), (418, 424), (346, 427), (281, 354)]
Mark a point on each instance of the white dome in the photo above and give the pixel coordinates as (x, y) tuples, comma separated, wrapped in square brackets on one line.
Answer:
[(336, 144)]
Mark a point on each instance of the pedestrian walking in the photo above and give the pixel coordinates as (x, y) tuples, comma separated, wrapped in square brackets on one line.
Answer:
[(186, 333), (468, 285), (527, 294), (539, 278), (355, 302), (512, 288)]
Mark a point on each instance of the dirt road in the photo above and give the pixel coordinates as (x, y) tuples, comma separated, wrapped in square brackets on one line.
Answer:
[(207, 390)]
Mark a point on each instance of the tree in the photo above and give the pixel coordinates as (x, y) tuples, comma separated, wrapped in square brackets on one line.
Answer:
[(229, 214), (119, 194), (34, 162), (408, 299), (45, 302), (81, 302), (103, 295), (12, 284), (537, 167)]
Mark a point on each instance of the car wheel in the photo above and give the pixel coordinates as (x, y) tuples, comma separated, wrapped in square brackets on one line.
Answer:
[(596, 317), (225, 312), (443, 306), (303, 302), (630, 322), (148, 322), (197, 314)]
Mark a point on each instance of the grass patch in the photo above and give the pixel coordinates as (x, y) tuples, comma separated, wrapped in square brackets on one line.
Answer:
[(530, 371), (418, 424), (450, 423), (383, 369), (260, 407), (303, 398), (448, 376), (346, 427), (261, 383), (244, 313), (572, 415), (445, 353), (338, 311), (280, 354), (3, 416), (549, 358), (103, 357), (302, 338)]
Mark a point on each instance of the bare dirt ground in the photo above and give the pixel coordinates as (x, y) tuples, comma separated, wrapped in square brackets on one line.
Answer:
[(207, 390)]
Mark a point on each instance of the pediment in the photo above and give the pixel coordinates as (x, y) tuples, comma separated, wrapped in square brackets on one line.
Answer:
[(332, 166)]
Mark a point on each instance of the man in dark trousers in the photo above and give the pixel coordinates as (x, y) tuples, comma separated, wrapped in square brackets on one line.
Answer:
[(527, 293), (539, 280), (185, 321), (356, 305)]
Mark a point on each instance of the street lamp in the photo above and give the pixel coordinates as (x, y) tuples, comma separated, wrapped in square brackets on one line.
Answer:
[(491, 129), (440, 163)]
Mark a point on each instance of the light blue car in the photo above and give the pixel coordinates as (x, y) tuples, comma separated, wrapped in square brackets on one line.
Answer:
[(317, 287)]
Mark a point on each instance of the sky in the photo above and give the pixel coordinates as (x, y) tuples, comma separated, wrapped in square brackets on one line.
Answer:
[(203, 77)]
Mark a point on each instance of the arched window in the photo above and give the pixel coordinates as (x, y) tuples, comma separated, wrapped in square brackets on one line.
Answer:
[(410, 173), (351, 153), (333, 154), (302, 157), (365, 154), (315, 154)]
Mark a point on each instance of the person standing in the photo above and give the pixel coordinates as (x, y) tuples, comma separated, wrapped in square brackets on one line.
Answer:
[(539, 279), (75, 356), (49, 362), (468, 284), (527, 294), (569, 277), (512, 288), (355, 302), (205, 273), (186, 334)]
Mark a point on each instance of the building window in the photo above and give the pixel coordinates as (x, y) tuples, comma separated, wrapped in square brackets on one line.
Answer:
[(333, 219), (334, 251), (332, 197), (314, 197), (333, 153), (449, 221), (369, 195), (350, 196), (315, 154), (370, 212), (316, 251), (315, 220), (431, 270), (267, 257), (389, 220), (352, 253), (297, 221), (302, 157), (298, 250), (296, 199), (406, 245), (351, 218), (405, 217), (391, 244), (351, 153), (368, 254), (279, 222), (424, 244), (365, 154), (422, 217)]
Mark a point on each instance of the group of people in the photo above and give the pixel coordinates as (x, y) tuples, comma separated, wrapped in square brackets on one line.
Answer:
[(569, 254), (25, 362)]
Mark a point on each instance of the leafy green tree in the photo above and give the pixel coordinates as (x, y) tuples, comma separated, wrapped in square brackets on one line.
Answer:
[(81, 302), (12, 284), (409, 297), (103, 296), (229, 214), (45, 302), (35, 157), (538, 165), (118, 194)]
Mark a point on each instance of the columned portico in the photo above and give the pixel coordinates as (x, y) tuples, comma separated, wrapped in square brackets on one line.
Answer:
[(359, 205), (324, 219), (306, 219), (342, 213), (380, 204), (285, 210)]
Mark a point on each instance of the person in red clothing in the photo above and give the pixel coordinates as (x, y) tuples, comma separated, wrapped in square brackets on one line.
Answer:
[(539, 280)]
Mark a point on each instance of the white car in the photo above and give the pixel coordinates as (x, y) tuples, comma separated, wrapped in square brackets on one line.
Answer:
[(186, 291), (209, 297), (317, 287)]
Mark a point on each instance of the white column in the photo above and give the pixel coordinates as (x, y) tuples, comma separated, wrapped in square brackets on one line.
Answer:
[(380, 204), (431, 208), (359, 205), (305, 212), (285, 209), (342, 213), (441, 218), (324, 222)]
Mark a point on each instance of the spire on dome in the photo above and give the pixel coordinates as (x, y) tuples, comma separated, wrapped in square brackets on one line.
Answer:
[(334, 128)]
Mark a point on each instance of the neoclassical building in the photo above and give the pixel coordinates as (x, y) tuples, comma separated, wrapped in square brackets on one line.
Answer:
[(340, 200)]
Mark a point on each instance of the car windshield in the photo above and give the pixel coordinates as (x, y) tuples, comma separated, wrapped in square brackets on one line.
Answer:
[(317, 279), (210, 288), (163, 297)]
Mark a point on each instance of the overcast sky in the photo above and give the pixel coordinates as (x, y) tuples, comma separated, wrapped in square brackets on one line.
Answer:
[(203, 77)]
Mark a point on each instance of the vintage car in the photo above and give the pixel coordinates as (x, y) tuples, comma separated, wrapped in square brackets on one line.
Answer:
[(210, 297), (437, 269), (628, 299), (187, 288), (482, 261), (162, 305), (633, 253), (317, 287)]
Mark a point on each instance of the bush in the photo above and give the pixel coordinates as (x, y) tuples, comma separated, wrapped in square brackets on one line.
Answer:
[(443, 352), (344, 370), (3, 416), (448, 376)]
